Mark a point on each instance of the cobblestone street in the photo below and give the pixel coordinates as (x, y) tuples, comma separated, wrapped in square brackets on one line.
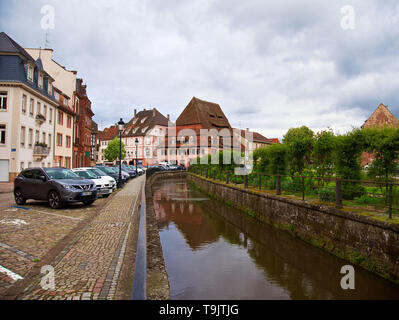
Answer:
[(88, 265)]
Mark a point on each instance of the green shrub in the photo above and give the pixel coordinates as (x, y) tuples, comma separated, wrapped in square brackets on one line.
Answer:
[(350, 192), (326, 194)]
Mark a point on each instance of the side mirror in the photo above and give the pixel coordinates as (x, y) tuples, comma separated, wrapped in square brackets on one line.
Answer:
[(43, 178)]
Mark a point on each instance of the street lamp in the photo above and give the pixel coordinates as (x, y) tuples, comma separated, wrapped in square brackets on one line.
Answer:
[(137, 143), (121, 124)]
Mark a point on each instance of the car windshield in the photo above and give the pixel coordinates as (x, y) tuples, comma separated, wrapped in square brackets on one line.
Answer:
[(105, 169), (98, 172), (60, 173), (87, 174)]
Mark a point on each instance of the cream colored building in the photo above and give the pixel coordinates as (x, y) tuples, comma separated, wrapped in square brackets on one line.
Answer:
[(65, 88)]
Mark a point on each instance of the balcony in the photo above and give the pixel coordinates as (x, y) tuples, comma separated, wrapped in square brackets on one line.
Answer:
[(40, 152), (40, 119)]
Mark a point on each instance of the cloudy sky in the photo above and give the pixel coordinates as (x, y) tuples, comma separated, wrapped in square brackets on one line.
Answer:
[(271, 65)]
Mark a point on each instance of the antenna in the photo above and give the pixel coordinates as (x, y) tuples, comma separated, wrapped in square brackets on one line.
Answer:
[(47, 42)]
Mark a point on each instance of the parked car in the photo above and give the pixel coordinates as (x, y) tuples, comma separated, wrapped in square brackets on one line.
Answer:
[(109, 171), (140, 171), (125, 175), (102, 174), (56, 185), (104, 187), (131, 172)]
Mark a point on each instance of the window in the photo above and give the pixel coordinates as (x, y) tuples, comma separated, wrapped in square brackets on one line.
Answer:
[(2, 134), (22, 136), (3, 100), (49, 140), (30, 73), (37, 136), (38, 108), (69, 122), (148, 140), (22, 165), (68, 141), (40, 84), (31, 102), (50, 119), (45, 111), (30, 137), (50, 88), (44, 137), (60, 118), (23, 103), (59, 139), (144, 119)]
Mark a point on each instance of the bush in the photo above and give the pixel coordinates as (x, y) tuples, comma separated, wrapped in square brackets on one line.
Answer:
[(350, 192), (327, 194)]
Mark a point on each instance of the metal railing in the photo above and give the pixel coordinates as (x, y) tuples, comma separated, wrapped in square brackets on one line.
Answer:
[(379, 196)]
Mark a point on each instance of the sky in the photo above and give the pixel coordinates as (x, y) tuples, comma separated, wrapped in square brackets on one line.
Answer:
[(270, 65)]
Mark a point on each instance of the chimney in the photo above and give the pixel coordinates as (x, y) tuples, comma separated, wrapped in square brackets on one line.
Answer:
[(135, 112), (144, 109), (168, 117), (153, 112)]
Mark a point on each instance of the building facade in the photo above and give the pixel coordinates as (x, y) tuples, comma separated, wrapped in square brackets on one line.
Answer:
[(27, 111), (149, 128), (83, 129), (65, 94)]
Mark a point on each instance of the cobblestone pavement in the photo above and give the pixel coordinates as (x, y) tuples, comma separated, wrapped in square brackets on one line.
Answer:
[(28, 232), (88, 268)]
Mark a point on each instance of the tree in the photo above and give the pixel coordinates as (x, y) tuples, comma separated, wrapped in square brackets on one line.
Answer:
[(111, 153), (271, 160), (300, 143), (323, 153), (348, 150), (384, 144)]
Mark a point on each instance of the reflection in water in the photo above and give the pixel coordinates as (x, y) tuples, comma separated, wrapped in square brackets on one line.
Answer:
[(213, 251)]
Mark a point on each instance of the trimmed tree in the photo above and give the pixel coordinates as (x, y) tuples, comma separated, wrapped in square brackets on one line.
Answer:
[(111, 153), (300, 144)]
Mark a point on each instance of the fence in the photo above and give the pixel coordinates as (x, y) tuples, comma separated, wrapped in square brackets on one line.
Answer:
[(375, 195)]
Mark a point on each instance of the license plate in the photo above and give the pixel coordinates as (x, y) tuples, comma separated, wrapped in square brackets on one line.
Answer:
[(86, 193)]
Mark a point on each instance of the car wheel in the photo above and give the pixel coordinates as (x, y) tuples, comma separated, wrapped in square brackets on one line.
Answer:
[(88, 202), (54, 200), (19, 198), (106, 195)]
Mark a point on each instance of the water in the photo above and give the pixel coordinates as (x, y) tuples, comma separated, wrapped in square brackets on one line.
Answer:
[(213, 251)]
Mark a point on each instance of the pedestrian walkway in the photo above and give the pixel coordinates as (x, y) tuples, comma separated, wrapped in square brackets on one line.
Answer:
[(88, 269)]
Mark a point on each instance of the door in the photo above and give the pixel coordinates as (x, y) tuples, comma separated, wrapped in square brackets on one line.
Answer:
[(4, 171), (38, 186)]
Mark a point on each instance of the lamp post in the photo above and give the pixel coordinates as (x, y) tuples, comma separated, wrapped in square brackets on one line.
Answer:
[(137, 143), (120, 128)]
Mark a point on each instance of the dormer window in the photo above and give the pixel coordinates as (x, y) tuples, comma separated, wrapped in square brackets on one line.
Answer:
[(144, 119), (30, 72), (135, 120), (144, 129), (50, 88), (40, 82)]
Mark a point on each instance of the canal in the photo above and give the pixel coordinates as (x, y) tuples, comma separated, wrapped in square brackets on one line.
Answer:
[(213, 251)]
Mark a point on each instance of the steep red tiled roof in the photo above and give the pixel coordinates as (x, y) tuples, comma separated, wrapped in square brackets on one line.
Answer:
[(208, 114), (143, 122), (380, 117), (256, 137), (109, 133), (274, 140)]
